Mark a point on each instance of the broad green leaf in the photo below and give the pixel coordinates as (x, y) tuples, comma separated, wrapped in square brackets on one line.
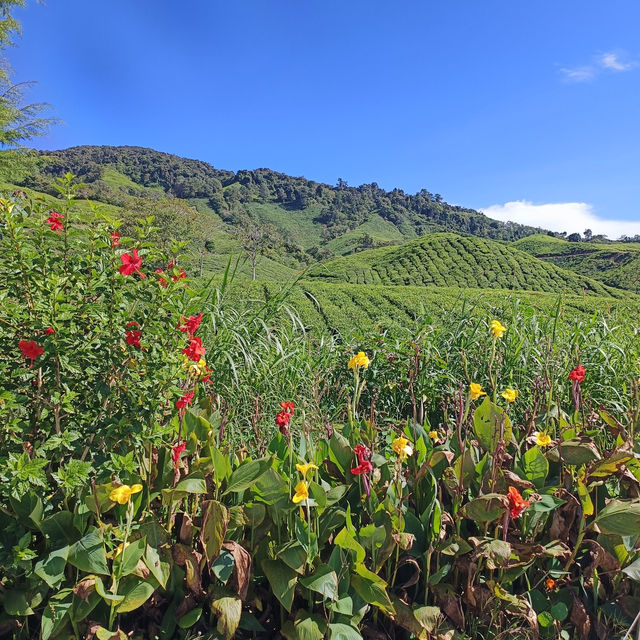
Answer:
[(620, 517), (340, 451), (88, 554), (294, 555), (323, 581), (578, 451), (53, 616), (486, 508), (346, 541), (371, 588), (215, 520), (535, 466), (282, 580), (247, 474), (129, 558), (135, 591), (305, 627), (339, 631), (159, 570), (489, 422), (51, 569), (189, 619), (59, 529), (107, 596)]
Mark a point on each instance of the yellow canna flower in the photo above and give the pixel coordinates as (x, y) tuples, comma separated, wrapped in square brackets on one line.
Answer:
[(433, 435), (301, 492), (476, 390), (543, 439), (402, 447), (510, 395), (123, 493), (359, 360), (303, 468), (497, 329), (195, 369), (120, 548)]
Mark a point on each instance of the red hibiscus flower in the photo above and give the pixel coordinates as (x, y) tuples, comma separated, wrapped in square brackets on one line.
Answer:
[(162, 281), (176, 451), (190, 325), (181, 274), (577, 374), (186, 400), (132, 336), (49, 330), (516, 502), (30, 349), (115, 239), (55, 221), (195, 351), (131, 264)]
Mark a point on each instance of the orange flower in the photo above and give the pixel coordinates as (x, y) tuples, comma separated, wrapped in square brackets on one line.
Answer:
[(550, 583), (516, 502)]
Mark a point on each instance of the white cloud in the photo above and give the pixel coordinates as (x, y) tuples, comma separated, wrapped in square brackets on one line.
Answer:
[(562, 216), (612, 61), (602, 63)]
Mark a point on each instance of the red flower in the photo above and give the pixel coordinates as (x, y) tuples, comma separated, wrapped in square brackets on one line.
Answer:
[(133, 338), (181, 274), (577, 374), (288, 407), (185, 401), (162, 281), (207, 376), (131, 264), (364, 467), (115, 239), (190, 325), (55, 221), (175, 453), (362, 452), (49, 330), (30, 349), (516, 502), (195, 350)]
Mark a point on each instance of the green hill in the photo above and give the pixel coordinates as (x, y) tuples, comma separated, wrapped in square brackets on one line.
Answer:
[(617, 264), (446, 259)]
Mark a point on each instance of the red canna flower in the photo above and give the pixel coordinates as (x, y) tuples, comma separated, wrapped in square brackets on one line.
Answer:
[(577, 374), (115, 239), (288, 407), (190, 325), (162, 281), (49, 330), (364, 467), (207, 376), (362, 452), (195, 351), (516, 502), (55, 221), (131, 264), (176, 451), (30, 349), (186, 400), (181, 274)]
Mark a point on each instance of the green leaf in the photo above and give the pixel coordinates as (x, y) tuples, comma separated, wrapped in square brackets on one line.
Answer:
[(223, 566), (189, 619), (486, 508), (135, 591), (59, 529), (215, 520), (535, 466), (88, 554), (620, 517), (304, 627), (371, 588), (338, 631), (107, 596), (488, 421), (578, 451), (129, 558), (51, 569), (346, 541), (53, 616), (323, 581), (340, 451), (159, 570), (282, 580), (559, 611), (633, 570), (294, 555), (247, 474)]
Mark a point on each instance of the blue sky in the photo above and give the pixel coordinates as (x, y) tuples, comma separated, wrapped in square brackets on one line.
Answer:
[(499, 105)]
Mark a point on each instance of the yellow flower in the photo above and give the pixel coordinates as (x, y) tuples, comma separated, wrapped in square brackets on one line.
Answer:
[(359, 360), (120, 548), (476, 390), (302, 492), (303, 468), (542, 439), (497, 330), (402, 447), (433, 435), (122, 494), (195, 369), (510, 395)]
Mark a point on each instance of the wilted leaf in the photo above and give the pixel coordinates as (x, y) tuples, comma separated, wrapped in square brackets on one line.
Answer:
[(620, 517), (242, 566), (215, 519), (486, 508)]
